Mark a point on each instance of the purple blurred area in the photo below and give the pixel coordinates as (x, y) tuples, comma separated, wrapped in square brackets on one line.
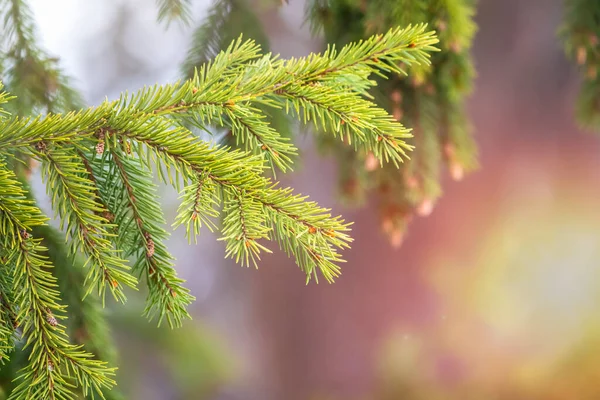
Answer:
[(493, 296)]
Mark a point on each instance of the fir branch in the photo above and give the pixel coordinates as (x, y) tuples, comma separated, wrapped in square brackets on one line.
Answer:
[(146, 118), (30, 72), (87, 324), (251, 130), (169, 10), (55, 365), (97, 166), (73, 198), (580, 33), (224, 22), (8, 314), (198, 206), (355, 120), (305, 230), (243, 227), (18, 133), (132, 200), (263, 77)]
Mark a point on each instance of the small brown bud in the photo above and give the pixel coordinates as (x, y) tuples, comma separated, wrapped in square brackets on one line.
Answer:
[(114, 283), (371, 162), (173, 293), (194, 216), (418, 80), (412, 45), (396, 96), (396, 238), (264, 147), (247, 243), (150, 247), (457, 172), (41, 146), (592, 72), (397, 112), (128, 148), (455, 47), (107, 215), (100, 147), (581, 55), (449, 150), (312, 230), (194, 90), (384, 188), (379, 138), (412, 182), (24, 234), (425, 208), (387, 225), (51, 319)]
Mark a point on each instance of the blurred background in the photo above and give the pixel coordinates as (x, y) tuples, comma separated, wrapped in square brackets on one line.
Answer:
[(493, 296)]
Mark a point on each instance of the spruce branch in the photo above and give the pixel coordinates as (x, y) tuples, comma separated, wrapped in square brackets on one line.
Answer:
[(224, 22), (580, 34), (431, 100), (306, 231), (8, 313), (243, 227), (131, 197), (354, 120), (199, 206), (238, 76), (97, 164), (87, 323), (169, 10), (55, 365), (74, 199), (29, 71)]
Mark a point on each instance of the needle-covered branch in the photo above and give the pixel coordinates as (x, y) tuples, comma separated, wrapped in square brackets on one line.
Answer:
[(169, 10), (98, 165), (127, 189), (55, 365), (28, 70), (580, 33), (74, 198)]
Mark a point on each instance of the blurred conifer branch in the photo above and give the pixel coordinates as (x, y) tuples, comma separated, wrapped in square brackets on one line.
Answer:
[(431, 100), (174, 10), (27, 70), (580, 33), (98, 165)]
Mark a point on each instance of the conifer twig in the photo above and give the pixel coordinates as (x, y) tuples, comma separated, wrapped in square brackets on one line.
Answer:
[(97, 164)]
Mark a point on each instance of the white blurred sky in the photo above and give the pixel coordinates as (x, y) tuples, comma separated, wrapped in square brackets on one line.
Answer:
[(73, 30)]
